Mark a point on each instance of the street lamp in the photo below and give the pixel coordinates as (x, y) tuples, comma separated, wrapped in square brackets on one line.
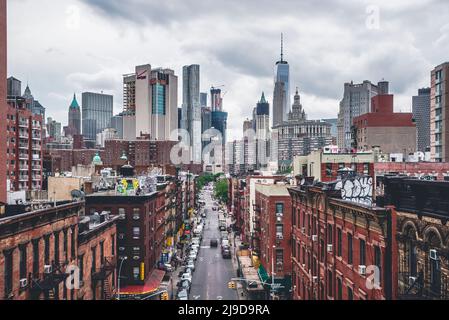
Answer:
[(272, 272), (119, 272)]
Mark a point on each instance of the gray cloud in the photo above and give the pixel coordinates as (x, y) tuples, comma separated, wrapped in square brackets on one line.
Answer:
[(236, 43)]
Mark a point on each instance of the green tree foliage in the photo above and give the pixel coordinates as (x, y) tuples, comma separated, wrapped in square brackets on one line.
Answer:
[(204, 179), (221, 190)]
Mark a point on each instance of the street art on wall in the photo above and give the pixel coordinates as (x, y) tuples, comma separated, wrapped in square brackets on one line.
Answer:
[(357, 189)]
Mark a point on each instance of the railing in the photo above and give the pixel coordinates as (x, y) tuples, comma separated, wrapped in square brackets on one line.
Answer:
[(109, 265), (48, 281), (418, 287)]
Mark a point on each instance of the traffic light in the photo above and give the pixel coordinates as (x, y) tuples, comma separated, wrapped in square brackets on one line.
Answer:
[(232, 285), (164, 296)]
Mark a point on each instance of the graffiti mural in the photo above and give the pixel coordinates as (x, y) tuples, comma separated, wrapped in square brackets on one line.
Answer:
[(357, 189)]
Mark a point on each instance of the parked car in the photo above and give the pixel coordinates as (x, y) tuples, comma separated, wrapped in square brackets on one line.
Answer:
[(183, 295), (204, 215), (214, 243), (186, 276), (191, 265), (192, 256), (225, 243)]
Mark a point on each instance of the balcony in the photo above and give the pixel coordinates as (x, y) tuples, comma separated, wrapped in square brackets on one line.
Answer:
[(24, 146), (23, 135), (37, 178), (36, 137), (23, 168), (23, 156), (23, 178), (23, 124), (108, 266), (49, 280), (37, 168), (36, 157), (37, 147)]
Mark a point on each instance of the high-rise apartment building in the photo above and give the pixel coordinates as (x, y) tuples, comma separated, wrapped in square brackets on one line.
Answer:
[(356, 101), (3, 104), (24, 146), (117, 124), (14, 87), (281, 96), (191, 110), (203, 99), (206, 123), (216, 100), (97, 113), (54, 130), (421, 114), (439, 109)]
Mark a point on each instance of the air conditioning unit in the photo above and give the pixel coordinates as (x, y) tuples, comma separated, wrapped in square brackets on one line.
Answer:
[(362, 270), (48, 269), (433, 254), (315, 279), (411, 281), (314, 238), (329, 248), (279, 236), (23, 283), (303, 230), (279, 219)]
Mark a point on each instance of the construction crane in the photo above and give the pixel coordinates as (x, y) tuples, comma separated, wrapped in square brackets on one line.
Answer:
[(213, 88)]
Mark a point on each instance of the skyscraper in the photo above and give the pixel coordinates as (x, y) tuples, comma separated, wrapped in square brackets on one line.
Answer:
[(97, 113), (216, 101), (117, 124), (74, 126), (206, 123), (421, 114), (262, 119), (281, 96), (3, 105), (14, 87), (191, 110), (439, 108), (31, 103), (356, 101), (54, 130), (203, 99)]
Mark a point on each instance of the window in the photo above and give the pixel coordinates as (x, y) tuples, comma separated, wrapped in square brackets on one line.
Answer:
[(279, 259), (35, 257), (136, 272), (323, 248), (350, 294), (362, 252), (136, 214), (339, 289), (350, 250), (366, 168), (57, 248), (279, 208), (158, 103), (94, 259), (66, 245), (47, 250), (8, 273), (378, 261), (113, 245), (339, 244), (329, 284), (330, 239), (23, 262), (136, 233), (329, 169), (279, 230), (102, 252), (81, 260), (72, 243)]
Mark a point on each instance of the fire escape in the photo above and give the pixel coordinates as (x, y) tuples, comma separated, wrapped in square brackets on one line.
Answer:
[(44, 286), (257, 235), (102, 275)]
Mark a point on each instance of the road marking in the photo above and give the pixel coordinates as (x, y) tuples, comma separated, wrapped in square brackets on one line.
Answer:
[(219, 298), (205, 247), (196, 297)]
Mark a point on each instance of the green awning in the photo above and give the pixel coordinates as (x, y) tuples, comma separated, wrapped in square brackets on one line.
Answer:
[(263, 275)]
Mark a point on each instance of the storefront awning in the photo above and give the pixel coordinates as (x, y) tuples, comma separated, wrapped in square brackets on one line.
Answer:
[(150, 286), (263, 275)]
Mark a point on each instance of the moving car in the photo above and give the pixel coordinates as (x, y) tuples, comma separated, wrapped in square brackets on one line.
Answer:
[(225, 243), (214, 243), (226, 253)]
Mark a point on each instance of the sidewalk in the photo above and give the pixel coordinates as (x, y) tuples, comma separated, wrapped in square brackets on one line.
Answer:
[(236, 242)]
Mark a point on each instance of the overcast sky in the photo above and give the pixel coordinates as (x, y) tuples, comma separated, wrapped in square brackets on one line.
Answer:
[(66, 46)]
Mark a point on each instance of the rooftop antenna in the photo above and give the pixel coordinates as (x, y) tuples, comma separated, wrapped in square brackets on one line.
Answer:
[(282, 47)]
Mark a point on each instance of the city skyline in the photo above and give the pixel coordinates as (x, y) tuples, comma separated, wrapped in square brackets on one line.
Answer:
[(79, 63)]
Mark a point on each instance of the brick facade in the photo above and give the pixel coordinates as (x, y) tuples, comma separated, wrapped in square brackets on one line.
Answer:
[(3, 106)]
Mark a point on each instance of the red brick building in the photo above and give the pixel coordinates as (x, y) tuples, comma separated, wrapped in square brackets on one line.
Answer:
[(338, 245), (382, 127), (3, 105), (414, 169), (60, 160), (272, 230), (97, 257), (36, 249), (138, 238)]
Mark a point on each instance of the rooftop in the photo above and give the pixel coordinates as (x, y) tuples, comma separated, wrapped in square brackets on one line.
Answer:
[(273, 189)]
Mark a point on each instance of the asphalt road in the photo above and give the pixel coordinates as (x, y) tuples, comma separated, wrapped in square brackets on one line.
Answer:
[(212, 272)]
